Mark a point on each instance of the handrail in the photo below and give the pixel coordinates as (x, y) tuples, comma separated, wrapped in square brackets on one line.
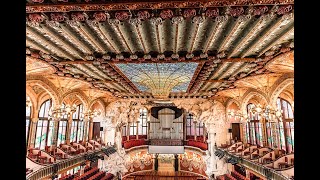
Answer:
[(263, 170), (58, 166)]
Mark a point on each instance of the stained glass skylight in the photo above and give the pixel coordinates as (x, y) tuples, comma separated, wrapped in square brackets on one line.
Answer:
[(160, 78)]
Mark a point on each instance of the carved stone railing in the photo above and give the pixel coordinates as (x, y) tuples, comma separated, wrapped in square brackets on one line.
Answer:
[(269, 173), (58, 166)]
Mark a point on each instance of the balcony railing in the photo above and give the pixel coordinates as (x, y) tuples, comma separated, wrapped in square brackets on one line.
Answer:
[(58, 166), (269, 173)]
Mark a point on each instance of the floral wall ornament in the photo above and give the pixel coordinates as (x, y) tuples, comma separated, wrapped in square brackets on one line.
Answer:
[(113, 21), (177, 20), (260, 10), (221, 19), (101, 16), (212, 12), (58, 17), (236, 11), (284, 9), (189, 13), (122, 15), (135, 21), (156, 21), (166, 14), (198, 19), (79, 16), (36, 18), (143, 15)]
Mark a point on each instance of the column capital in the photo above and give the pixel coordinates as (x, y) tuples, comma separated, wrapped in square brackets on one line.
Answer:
[(34, 119)]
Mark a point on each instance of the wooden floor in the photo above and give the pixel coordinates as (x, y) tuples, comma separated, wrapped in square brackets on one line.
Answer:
[(154, 175)]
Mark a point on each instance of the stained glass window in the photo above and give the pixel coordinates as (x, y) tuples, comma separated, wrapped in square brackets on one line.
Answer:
[(254, 129), (286, 127), (133, 128), (199, 128), (28, 113), (142, 125), (77, 128), (190, 125), (270, 134), (160, 78), (62, 132), (43, 126)]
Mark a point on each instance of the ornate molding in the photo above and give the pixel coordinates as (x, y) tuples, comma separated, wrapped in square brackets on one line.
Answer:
[(47, 86), (279, 86), (156, 4), (83, 98), (248, 95)]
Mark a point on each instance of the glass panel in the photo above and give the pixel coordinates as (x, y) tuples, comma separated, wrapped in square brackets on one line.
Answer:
[(27, 129), (28, 111), (285, 109), (51, 126), (46, 111), (290, 111)]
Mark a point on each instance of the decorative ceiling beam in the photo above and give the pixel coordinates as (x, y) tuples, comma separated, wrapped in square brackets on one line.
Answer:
[(103, 37), (145, 50), (35, 45), (255, 27), (258, 40), (176, 35), (49, 32), (240, 22), (156, 4), (194, 37), (213, 36), (215, 80), (239, 60), (53, 48), (279, 39), (89, 35), (76, 40), (158, 38), (122, 37)]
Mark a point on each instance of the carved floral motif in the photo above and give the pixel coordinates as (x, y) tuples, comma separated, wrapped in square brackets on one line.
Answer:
[(166, 14)]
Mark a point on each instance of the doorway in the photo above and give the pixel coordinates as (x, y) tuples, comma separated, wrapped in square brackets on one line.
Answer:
[(236, 131)]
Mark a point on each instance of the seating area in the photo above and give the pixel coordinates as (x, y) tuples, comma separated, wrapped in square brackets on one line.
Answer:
[(200, 144), (233, 176), (134, 142), (268, 157), (40, 156), (90, 173)]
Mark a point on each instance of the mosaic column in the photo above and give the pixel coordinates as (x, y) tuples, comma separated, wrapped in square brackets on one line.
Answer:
[(195, 130), (54, 133), (90, 128), (68, 133), (32, 133), (85, 136)]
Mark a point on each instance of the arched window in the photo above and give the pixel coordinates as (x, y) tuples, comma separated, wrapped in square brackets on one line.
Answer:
[(286, 128), (253, 127), (193, 129), (61, 139), (77, 128), (28, 113), (142, 125), (190, 125), (44, 127)]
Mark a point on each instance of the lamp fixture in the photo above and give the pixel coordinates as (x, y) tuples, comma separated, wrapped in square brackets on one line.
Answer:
[(60, 112), (91, 114)]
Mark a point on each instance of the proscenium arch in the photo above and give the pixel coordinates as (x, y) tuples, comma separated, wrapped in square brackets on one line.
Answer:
[(47, 86), (248, 95)]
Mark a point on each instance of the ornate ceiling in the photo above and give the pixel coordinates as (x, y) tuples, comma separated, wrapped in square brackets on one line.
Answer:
[(161, 49)]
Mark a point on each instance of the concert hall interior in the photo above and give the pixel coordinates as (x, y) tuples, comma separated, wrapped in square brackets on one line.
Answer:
[(163, 90)]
